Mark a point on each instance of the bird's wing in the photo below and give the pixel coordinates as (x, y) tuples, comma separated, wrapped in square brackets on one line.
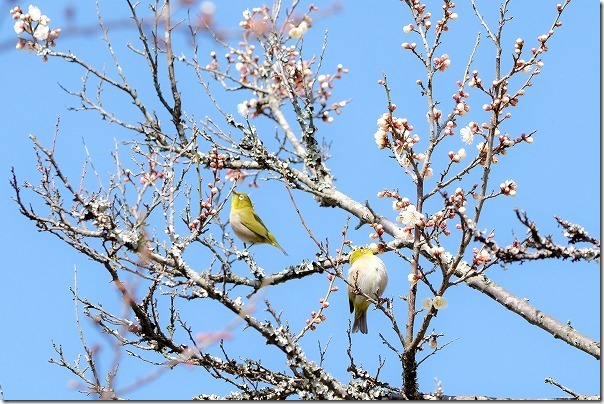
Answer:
[(351, 297), (256, 224)]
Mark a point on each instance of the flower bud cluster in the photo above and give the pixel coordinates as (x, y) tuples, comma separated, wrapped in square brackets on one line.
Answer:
[(235, 175), (409, 46), (456, 205), (502, 99), (149, 177), (461, 106), (315, 320), (505, 142), (457, 157), (481, 257), (523, 66), (458, 202), (483, 148), (379, 231), (418, 9), (213, 65), (400, 129), (424, 19), (301, 29), (518, 46), (282, 71), (434, 115), (475, 81), (408, 28), (441, 25), (217, 161), (442, 62), (246, 62), (35, 24), (207, 209), (439, 221), (508, 188), (449, 126), (326, 83), (248, 109), (256, 22)]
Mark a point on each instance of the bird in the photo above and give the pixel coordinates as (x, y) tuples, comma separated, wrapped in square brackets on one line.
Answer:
[(247, 225), (367, 276)]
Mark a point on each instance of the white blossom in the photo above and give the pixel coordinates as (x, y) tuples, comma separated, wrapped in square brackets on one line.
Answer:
[(426, 303), (299, 31), (467, 136), (381, 138), (243, 109), (410, 217), (34, 13), (439, 302), (41, 32), (19, 26)]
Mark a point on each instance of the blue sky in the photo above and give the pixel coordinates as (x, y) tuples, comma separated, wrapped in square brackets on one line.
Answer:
[(494, 352)]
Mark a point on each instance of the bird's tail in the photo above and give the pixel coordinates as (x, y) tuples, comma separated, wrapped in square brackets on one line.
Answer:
[(360, 322), (279, 247)]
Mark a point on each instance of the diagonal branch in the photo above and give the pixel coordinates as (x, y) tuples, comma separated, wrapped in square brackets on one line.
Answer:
[(531, 314)]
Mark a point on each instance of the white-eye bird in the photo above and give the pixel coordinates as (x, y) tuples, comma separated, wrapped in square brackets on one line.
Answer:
[(247, 225), (367, 276)]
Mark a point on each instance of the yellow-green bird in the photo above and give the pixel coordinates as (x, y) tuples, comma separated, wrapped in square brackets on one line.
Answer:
[(367, 276), (247, 225)]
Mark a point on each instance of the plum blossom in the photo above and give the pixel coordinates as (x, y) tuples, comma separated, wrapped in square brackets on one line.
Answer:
[(408, 235), (508, 188), (462, 108), (467, 133), (381, 138), (438, 302), (19, 27), (442, 62), (410, 217), (34, 13), (382, 122), (243, 109), (41, 32), (299, 31), (33, 23), (434, 115), (457, 157), (481, 256), (400, 129), (428, 173), (467, 136)]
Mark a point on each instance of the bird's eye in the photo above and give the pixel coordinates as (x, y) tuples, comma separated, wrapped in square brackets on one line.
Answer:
[(240, 197)]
